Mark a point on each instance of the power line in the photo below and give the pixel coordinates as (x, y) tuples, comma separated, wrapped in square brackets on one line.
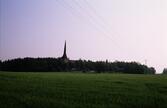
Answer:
[(68, 8), (74, 12), (89, 19), (95, 22), (115, 35), (99, 17)]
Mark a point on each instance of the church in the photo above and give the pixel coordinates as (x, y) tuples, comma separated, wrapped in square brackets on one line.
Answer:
[(64, 57)]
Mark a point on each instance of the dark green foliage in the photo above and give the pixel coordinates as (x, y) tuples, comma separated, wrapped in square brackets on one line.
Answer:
[(79, 90), (0, 65), (58, 64), (165, 71)]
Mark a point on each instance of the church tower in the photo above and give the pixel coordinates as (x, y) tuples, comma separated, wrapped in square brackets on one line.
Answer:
[(64, 54)]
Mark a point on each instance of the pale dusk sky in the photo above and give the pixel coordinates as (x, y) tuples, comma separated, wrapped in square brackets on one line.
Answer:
[(123, 30)]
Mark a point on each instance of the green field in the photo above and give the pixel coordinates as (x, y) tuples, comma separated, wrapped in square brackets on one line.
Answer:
[(82, 90)]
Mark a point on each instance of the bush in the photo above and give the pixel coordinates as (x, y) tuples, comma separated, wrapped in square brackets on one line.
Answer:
[(165, 71)]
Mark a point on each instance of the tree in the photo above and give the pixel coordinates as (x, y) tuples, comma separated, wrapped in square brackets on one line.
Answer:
[(59, 65), (165, 71), (0, 65)]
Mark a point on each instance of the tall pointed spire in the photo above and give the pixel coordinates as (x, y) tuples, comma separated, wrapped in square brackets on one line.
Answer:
[(64, 54)]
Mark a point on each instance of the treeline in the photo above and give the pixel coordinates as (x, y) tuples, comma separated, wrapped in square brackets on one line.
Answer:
[(61, 65)]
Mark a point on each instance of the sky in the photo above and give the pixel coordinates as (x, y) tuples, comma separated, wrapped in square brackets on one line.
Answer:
[(123, 30)]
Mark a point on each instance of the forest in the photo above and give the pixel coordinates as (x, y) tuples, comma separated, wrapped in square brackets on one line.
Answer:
[(61, 65)]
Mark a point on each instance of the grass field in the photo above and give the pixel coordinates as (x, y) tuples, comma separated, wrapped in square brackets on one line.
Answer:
[(79, 90)]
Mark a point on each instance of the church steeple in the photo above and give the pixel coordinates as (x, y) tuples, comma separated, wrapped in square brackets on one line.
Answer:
[(64, 54)]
